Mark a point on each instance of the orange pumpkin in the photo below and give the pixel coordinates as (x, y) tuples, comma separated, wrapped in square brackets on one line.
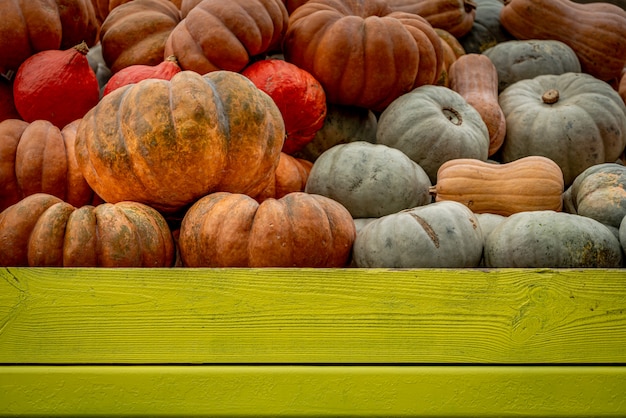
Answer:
[(452, 50), (168, 143), (42, 230), (454, 16), (475, 78), (135, 73), (363, 53), (239, 30), (298, 230), (290, 176)]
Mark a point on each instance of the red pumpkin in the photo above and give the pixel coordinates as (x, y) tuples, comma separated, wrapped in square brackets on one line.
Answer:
[(56, 85), (298, 95), (135, 73)]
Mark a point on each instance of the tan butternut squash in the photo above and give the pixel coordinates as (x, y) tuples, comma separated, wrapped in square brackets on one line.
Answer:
[(454, 16), (475, 78), (528, 184)]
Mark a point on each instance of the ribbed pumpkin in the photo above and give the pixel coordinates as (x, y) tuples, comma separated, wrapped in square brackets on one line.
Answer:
[(486, 30), (370, 180), (38, 157), (298, 230), (454, 16), (438, 235), (595, 31), (574, 119), (32, 26), (135, 33), (452, 50), (217, 35), (530, 183), (290, 176), (41, 230), (104, 7), (517, 60), (475, 78), (135, 73), (599, 193), (362, 52), (168, 143), (298, 95), (433, 124), (56, 85), (549, 239)]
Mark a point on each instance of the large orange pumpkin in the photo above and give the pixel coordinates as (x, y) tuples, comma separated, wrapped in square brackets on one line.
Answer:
[(168, 143), (298, 230), (362, 52)]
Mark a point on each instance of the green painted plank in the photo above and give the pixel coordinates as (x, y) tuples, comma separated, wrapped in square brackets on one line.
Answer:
[(67, 316), (313, 391)]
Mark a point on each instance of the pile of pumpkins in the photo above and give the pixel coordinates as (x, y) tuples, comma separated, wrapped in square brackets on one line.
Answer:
[(319, 133)]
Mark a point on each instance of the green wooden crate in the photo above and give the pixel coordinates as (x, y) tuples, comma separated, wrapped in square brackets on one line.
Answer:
[(312, 342)]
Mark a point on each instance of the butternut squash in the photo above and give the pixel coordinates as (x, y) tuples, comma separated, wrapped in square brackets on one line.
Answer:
[(528, 184)]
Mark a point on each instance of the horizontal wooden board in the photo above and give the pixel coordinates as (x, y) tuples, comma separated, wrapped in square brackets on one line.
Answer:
[(313, 391), (307, 316)]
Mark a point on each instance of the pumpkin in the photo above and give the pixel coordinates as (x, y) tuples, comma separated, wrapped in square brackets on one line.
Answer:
[(41, 230), (342, 124), (475, 78), (433, 124), (298, 230), (99, 67), (574, 119), (217, 35), (168, 143), (523, 59), (370, 180), (290, 176), (135, 33), (29, 27), (438, 235), (452, 50), (135, 73), (621, 234), (38, 157), (292, 5), (298, 95), (454, 16), (7, 103), (530, 183), (621, 88), (104, 7), (549, 239), (599, 193), (486, 30), (595, 31), (363, 53), (55, 85)]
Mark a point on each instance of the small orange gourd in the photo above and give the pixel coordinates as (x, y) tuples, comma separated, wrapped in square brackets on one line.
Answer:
[(527, 184), (475, 78)]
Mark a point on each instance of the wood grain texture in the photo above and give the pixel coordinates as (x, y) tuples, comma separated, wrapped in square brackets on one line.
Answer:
[(311, 316), (313, 391)]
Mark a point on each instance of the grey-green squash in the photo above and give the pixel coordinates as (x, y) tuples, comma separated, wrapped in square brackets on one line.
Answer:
[(444, 234), (433, 124), (574, 119), (370, 180), (549, 239), (486, 30)]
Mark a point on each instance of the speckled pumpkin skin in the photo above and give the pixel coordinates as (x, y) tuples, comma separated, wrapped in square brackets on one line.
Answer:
[(297, 230), (168, 143)]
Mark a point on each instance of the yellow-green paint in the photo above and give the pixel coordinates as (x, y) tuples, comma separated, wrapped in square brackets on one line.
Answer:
[(312, 342), (314, 391)]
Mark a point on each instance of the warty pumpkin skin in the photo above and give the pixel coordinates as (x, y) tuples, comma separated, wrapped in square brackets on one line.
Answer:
[(595, 31), (433, 124), (599, 193), (168, 143), (362, 52), (217, 35), (297, 230), (530, 183), (549, 239), (475, 78), (574, 119), (43, 231), (438, 235), (135, 33), (370, 180), (454, 16), (38, 157)]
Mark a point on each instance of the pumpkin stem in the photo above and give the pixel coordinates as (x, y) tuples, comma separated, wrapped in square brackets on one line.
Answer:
[(551, 96), (432, 190), (82, 48), (453, 116), (172, 58)]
